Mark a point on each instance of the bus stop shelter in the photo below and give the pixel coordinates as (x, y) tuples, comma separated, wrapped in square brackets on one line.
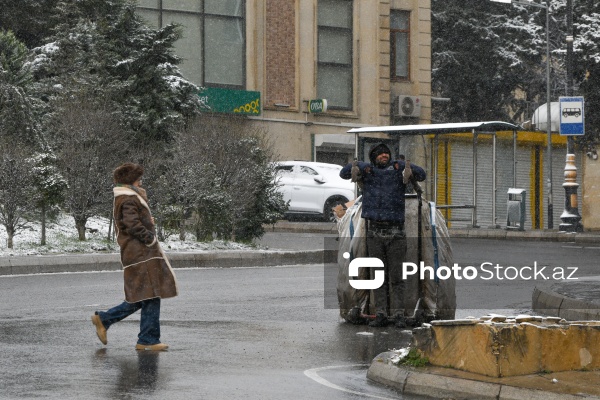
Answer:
[(435, 130)]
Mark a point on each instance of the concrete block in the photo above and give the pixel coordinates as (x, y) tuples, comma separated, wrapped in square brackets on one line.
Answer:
[(511, 349), (464, 347)]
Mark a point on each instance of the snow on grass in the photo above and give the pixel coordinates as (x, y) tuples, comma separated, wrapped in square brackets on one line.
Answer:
[(61, 238)]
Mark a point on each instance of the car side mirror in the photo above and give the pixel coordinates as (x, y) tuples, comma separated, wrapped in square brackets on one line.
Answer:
[(320, 179)]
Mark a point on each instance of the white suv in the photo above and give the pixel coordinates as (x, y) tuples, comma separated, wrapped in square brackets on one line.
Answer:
[(312, 188)]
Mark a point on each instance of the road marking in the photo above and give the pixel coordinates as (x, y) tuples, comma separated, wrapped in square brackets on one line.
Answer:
[(314, 375)]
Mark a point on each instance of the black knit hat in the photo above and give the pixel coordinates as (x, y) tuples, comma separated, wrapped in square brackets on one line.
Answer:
[(128, 173), (377, 150)]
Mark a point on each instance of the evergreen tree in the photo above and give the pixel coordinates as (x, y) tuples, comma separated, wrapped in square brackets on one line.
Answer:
[(586, 23), (27, 19), (486, 58), (17, 106), (104, 49), (49, 187), (15, 187)]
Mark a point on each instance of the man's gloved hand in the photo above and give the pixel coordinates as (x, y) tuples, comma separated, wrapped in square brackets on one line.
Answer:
[(355, 172), (407, 173)]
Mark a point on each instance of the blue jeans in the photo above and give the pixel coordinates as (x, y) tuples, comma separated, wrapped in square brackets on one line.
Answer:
[(149, 322)]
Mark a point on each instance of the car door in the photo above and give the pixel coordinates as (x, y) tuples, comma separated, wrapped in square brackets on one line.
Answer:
[(307, 193)]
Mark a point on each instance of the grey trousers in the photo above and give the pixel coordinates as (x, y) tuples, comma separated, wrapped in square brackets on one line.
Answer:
[(396, 297)]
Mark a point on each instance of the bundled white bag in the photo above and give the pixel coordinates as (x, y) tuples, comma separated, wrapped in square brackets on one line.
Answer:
[(437, 297)]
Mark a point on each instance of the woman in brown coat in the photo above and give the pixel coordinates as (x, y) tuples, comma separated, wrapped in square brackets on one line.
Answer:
[(148, 276)]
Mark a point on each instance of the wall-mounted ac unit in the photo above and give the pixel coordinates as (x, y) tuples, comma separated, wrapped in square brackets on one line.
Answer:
[(406, 107)]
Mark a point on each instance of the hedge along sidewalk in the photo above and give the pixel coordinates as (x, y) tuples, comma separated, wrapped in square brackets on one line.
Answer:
[(22, 265)]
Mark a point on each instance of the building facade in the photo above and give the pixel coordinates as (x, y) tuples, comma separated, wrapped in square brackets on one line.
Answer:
[(369, 60)]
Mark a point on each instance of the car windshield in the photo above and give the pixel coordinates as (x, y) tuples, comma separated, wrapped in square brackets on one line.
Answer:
[(307, 170), (284, 169)]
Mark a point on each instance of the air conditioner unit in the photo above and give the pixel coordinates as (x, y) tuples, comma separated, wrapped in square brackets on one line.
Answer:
[(406, 107)]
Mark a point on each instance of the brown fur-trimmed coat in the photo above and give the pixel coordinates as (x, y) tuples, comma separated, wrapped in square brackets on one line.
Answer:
[(146, 270)]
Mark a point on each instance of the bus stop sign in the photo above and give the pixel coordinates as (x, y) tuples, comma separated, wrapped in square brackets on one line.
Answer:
[(571, 116)]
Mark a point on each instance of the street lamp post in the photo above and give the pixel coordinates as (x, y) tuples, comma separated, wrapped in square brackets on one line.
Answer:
[(570, 217), (548, 103)]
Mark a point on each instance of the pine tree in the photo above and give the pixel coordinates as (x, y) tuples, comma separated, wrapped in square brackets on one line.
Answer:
[(104, 49), (27, 19), (586, 46), (486, 59), (17, 106)]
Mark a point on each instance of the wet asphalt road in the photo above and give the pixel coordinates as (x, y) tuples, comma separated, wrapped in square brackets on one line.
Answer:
[(259, 333), (255, 333)]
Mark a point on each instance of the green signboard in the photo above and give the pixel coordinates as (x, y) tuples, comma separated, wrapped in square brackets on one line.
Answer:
[(230, 101), (317, 106)]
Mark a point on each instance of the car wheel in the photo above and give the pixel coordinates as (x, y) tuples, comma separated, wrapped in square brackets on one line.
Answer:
[(328, 214)]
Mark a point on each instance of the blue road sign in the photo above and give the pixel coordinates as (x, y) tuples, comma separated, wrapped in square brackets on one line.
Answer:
[(571, 116)]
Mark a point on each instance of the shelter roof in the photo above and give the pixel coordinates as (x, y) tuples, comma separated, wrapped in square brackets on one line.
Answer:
[(428, 129)]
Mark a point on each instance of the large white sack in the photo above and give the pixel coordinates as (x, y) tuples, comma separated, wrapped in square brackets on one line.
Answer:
[(437, 297)]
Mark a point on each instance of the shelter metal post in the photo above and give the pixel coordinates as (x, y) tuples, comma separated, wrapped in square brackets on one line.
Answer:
[(435, 167), (514, 158), (356, 139), (549, 120), (494, 188), (474, 210)]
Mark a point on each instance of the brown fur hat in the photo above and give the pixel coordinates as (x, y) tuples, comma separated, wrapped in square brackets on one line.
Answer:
[(128, 173)]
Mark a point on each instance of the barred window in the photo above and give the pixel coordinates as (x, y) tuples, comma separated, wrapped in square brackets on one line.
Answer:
[(334, 59), (400, 45)]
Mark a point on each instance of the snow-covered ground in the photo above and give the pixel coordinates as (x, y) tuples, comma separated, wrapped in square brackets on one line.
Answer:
[(61, 238)]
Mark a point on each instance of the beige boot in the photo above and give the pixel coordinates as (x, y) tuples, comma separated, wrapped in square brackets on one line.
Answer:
[(152, 347), (100, 329)]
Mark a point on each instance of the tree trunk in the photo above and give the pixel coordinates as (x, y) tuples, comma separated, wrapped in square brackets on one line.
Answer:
[(80, 225), (10, 233), (182, 229), (43, 241), (110, 225)]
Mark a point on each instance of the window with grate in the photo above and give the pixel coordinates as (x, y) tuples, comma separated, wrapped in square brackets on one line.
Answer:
[(400, 45), (334, 59)]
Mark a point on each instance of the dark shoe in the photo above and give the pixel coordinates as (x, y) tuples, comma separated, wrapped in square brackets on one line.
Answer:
[(100, 329), (401, 322), (353, 316), (379, 321), (152, 347)]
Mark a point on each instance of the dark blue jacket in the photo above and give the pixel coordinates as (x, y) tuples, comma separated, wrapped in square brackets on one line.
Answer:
[(383, 190)]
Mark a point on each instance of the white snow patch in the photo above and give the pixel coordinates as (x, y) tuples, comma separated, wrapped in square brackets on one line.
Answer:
[(62, 238)]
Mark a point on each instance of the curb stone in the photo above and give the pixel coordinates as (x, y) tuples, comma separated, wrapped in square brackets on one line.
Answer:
[(589, 237), (407, 380), (550, 303), (111, 262)]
